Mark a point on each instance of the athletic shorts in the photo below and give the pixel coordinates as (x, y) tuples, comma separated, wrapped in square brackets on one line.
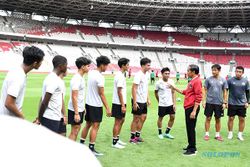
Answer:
[(71, 120), (93, 114), (62, 127), (213, 108), (236, 110), (117, 111), (52, 125), (142, 109), (162, 111)]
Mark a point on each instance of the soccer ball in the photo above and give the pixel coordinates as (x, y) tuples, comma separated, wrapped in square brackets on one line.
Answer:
[(178, 99)]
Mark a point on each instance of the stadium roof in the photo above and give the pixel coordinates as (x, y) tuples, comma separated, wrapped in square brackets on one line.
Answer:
[(191, 13)]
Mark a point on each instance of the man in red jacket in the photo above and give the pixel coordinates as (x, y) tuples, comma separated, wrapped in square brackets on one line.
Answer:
[(193, 98)]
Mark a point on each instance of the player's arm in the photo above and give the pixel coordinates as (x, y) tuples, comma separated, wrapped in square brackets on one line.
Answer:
[(156, 95), (177, 89), (64, 111), (104, 100), (204, 95), (10, 104), (74, 95), (119, 91), (36, 121), (174, 98), (225, 98), (134, 89), (247, 95), (148, 99), (44, 105)]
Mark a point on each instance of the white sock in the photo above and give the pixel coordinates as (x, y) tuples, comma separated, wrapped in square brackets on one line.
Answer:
[(217, 134), (240, 134), (230, 133), (207, 134)]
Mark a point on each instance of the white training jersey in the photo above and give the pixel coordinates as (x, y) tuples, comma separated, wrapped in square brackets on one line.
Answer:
[(141, 79), (164, 92), (77, 83), (14, 85), (53, 85), (95, 81), (119, 82)]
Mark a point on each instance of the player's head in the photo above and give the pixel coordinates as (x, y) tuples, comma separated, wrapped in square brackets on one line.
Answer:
[(102, 63), (239, 71), (123, 63), (82, 63), (33, 56), (165, 72), (216, 68), (145, 64), (60, 64), (193, 70)]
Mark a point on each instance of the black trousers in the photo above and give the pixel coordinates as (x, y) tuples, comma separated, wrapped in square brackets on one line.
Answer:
[(190, 128)]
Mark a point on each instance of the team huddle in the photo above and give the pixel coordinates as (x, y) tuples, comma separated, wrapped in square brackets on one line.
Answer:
[(219, 94)]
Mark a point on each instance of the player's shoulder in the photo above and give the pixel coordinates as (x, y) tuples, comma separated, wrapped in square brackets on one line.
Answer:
[(170, 80), (209, 78), (158, 82)]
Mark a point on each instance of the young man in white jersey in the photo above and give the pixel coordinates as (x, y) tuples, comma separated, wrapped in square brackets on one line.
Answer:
[(140, 100), (13, 88), (166, 98), (119, 102), (51, 108), (76, 104), (94, 102)]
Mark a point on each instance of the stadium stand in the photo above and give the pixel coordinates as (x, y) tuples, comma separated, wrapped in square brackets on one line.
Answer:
[(176, 61)]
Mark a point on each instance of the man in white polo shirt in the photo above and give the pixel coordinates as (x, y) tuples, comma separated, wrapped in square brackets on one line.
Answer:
[(94, 102), (76, 106), (51, 107), (14, 84), (119, 102), (166, 98), (140, 100)]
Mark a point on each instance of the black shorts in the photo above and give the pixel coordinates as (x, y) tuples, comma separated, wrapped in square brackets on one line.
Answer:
[(71, 120), (213, 108), (177, 79), (143, 109), (152, 79), (162, 111), (93, 114), (236, 110), (52, 125), (117, 111), (62, 127)]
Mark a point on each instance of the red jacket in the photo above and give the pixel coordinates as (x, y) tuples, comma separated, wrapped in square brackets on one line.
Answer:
[(193, 93)]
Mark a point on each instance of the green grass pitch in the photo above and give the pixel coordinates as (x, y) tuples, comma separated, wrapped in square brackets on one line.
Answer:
[(153, 152)]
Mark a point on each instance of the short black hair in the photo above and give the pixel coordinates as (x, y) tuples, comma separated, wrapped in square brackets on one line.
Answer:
[(194, 68), (59, 60), (240, 68), (82, 61), (165, 69), (217, 66), (145, 61), (32, 54), (102, 60), (123, 62)]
